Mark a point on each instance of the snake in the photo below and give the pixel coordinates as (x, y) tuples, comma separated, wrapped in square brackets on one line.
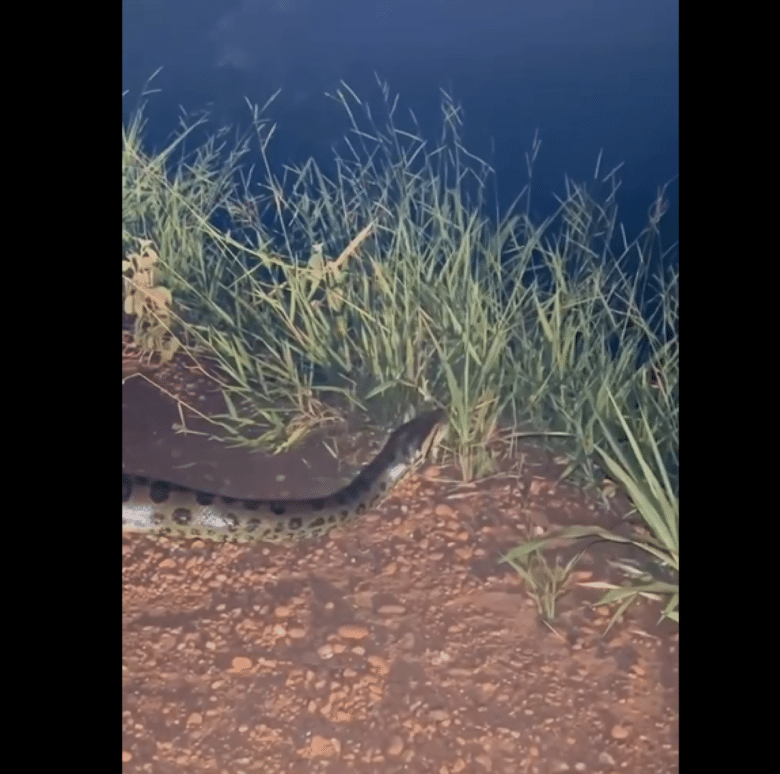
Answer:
[(162, 508)]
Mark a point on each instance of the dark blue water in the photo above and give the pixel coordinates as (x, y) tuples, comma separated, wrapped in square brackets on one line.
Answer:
[(589, 79), (589, 76)]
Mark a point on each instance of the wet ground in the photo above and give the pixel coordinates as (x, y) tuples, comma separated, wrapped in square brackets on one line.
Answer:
[(400, 645)]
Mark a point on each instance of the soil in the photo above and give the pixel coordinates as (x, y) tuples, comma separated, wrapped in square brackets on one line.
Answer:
[(403, 644)]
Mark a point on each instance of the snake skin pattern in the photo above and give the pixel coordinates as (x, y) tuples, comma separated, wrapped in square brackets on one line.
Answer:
[(163, 508)]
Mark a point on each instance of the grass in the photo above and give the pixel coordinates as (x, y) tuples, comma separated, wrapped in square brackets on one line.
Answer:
[(546, 583), (388, 281), (656, 502)]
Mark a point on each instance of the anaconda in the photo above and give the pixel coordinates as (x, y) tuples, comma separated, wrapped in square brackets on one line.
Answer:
[(164, 508)]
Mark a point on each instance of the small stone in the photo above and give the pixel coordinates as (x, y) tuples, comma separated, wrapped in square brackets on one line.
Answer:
[(323, 747), (240, 664), (391, 610), (353, 632), (444, 510), (380, 665), (619, 732), (396, 746)]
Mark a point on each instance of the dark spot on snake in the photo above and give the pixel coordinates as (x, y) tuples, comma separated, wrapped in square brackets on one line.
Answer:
[(204, 498), (159, 491), (127, 488), (296, 523), (181, 516), (277, 508)]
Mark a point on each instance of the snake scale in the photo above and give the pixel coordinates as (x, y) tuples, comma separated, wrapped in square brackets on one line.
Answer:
[(163, 508)]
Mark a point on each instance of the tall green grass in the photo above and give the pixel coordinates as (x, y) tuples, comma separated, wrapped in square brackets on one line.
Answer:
[(389, 281)]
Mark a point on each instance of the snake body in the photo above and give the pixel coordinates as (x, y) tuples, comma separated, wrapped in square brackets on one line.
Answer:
[(163, 508)]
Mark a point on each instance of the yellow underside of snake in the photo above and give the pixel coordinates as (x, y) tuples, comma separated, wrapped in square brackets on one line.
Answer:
[(164, 508)]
